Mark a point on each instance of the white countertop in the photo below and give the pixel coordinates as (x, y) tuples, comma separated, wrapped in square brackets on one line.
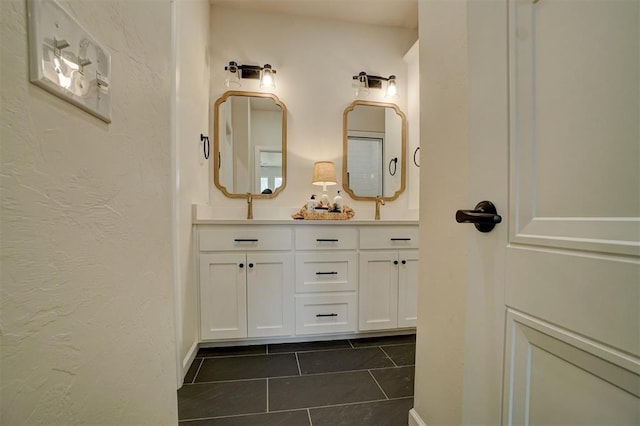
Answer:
[(206, 215), (302, 222)]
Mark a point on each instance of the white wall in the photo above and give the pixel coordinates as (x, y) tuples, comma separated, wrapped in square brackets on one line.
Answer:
[(413, 124), (87, 298), (315, 60), (192, 119), (444, 189)]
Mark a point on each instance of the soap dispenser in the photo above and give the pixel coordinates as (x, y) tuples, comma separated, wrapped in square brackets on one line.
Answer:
[(311, 204)]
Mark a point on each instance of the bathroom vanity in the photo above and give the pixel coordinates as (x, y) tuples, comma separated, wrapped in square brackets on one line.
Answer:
[(281, 280), (286, 279)]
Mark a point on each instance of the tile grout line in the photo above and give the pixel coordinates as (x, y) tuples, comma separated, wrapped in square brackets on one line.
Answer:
[(288, 352), (298, 362), (309, 415), (308, 350), (267, 394), (387, 355), (373, 401), (299, 375), (345, 404), (234, 356), (374, 379), (197, 371)]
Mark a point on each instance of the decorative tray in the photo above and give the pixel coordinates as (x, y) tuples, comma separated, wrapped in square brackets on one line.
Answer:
[(346, 214)]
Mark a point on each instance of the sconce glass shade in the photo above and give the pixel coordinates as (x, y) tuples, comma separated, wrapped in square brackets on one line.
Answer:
[(232, 79), (392, 89), (267, 80), (324, 173), (361, 84)]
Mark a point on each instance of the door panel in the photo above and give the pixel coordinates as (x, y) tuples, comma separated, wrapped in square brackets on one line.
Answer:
[(223, 308), (270, 294), (378, 291), (572, 262), (575, 152), (558, 377), (596, 296), (408, 288)]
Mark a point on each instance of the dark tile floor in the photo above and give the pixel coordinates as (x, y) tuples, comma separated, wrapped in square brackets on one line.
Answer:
[(365, 381)]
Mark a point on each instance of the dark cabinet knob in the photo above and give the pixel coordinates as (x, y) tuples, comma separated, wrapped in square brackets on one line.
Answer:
[(241, 265), (404, 262), (251, 265), (395, 262)]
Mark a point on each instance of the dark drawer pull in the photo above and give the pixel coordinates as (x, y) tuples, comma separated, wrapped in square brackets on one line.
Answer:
[(327, 240), (326, 273), (326, 315), (246, 240), (401, 239)]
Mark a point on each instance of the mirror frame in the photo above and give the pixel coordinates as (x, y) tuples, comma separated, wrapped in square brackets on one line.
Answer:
[(403, 159), (216, 143)]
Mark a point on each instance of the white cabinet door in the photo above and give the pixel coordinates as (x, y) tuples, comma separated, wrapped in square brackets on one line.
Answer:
[(378, 292), (223, 293), (270, 294), (407, 288)]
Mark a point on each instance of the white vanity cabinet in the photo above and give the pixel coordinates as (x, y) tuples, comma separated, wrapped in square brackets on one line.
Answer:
[(388, 277), (263, 280), (326, 279), (246, 282)]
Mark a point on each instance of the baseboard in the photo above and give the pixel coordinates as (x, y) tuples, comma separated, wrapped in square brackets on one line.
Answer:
[(191, 355), (414, 418)]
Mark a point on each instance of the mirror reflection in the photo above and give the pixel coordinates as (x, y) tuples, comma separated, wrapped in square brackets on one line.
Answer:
[(374, 146), (249, 144)]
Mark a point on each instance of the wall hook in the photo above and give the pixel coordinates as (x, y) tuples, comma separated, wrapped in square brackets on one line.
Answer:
[(205, 146)]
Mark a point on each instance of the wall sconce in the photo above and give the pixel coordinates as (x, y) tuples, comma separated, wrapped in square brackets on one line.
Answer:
[(236, 72), (363, 82)]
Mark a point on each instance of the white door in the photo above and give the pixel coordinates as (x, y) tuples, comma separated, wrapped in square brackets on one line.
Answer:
[(408, 288), (223, 300), (378, 291), (553, 326), (270, 294)]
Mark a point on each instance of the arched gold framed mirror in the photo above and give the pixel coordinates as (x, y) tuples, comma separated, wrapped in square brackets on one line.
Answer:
[(374, 150), (250, 144)]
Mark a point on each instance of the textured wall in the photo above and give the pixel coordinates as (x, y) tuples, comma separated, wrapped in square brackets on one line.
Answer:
[(87, 298)]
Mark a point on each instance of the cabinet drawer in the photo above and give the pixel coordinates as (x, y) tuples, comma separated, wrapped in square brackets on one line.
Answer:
[(326, 238), (327, 313), (245, 238), (389, 237), (320, 271)]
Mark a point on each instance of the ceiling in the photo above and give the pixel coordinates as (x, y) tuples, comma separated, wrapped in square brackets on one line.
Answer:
[(394, 13)]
